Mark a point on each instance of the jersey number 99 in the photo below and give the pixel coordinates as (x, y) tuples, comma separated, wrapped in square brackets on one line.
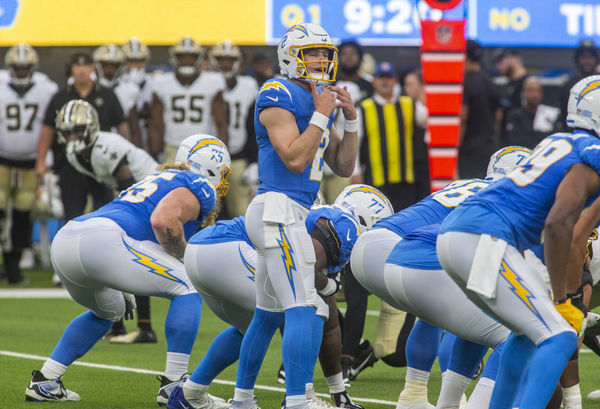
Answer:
[(545, 154)]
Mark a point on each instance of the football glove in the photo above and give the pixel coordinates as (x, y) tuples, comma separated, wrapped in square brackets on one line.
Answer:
[(130, 306), (572, 314)]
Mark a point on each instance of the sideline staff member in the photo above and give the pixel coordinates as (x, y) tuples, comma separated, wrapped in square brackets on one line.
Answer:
[(73, 185)]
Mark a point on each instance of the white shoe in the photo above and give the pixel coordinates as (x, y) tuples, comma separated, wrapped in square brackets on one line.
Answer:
[(317, 403), (594, 395), (42, 389), (414, 405), (203, 400), (27, 259)]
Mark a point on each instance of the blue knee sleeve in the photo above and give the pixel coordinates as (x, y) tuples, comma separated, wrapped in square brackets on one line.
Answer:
[(466, 356), (493, 363), (181, 325), (422, 346), (223, 351), (254, 346), (513, 363), (546, 366), (317, 339), (79, 337), (445, 350), (297, 349)]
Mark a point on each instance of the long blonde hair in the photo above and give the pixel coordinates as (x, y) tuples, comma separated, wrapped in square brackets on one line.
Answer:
[(211, 217)]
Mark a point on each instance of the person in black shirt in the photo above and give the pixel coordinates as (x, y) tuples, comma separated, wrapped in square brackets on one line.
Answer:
[(479, 119), (73, 185), (531, 122), (510, 64)]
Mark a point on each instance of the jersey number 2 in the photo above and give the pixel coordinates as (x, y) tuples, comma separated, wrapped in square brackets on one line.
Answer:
[(316, 167)]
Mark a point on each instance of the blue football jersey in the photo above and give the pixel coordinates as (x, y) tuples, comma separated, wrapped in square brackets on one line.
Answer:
[(345, 227), (417, 249), (433, 209), (133, 207), (515, 208), (222, 232), (273, 175)]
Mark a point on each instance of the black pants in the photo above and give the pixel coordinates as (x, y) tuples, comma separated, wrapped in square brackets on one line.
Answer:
[(356, 311), (74, 188)]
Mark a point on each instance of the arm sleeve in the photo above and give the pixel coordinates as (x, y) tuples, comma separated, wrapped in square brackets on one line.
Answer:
[(204, 191)]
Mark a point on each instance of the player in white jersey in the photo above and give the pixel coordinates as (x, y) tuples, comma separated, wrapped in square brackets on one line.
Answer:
[(240, 95), (24, 97), (137, 55), (186, 101), (115, 162), (109, 59)]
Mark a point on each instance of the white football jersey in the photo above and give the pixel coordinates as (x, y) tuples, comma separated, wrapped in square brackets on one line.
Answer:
[(108, 152), (21, 118), (187, 110), (239, 99), (127, 93), (142, 106)]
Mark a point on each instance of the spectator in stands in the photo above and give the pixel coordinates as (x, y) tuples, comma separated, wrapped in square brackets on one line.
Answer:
[(350, 59), (586, 60), (510, 65), (73, 185), (479, 118), (531, 122)]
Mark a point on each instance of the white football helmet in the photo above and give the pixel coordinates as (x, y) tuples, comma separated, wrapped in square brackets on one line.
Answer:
[(504, 160), (365, 203), (583, 109), (209, 157), (292, 47), (186, 45)]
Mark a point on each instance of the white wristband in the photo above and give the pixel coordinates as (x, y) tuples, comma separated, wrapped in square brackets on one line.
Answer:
[(351, 126), (330, 289), (319, 120)]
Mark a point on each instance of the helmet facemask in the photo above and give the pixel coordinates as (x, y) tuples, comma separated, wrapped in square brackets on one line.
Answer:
[(328, 66)]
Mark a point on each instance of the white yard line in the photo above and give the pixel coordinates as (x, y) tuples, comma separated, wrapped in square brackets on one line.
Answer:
[(151, 372)]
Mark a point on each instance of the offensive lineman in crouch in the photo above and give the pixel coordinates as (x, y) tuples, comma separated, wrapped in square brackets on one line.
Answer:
[(480, 242), (293, 121), (135, 244), (239, 95), (115, 162), (24, 97)]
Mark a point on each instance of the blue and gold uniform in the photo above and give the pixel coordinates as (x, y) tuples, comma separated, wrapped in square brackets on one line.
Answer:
[(433, 209), (515, 208), (133, 207), (273, 175)]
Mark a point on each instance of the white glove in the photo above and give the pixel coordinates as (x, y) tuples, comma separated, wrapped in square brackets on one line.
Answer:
[(130, 306), (250, 175)]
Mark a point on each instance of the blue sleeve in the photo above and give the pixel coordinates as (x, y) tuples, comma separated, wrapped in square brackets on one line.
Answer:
[(347, 231), (589, 151), (274, 94), (204, 191)]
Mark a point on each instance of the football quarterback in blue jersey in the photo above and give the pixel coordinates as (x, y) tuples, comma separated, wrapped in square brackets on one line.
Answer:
[(295, 136), (135, 244), (221, 263), (431, 297), (480, 246)]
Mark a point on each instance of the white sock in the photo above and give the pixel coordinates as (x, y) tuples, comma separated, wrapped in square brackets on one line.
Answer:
[(192, 389), (415, 386), (295, 400), (177, 364), (572, 397), (480, 398), (454, 386), (335, 383), (310, 390), (240, 395), (53, 369)]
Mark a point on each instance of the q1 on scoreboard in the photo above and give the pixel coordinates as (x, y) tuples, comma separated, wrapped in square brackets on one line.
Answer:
[(373, 22)]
